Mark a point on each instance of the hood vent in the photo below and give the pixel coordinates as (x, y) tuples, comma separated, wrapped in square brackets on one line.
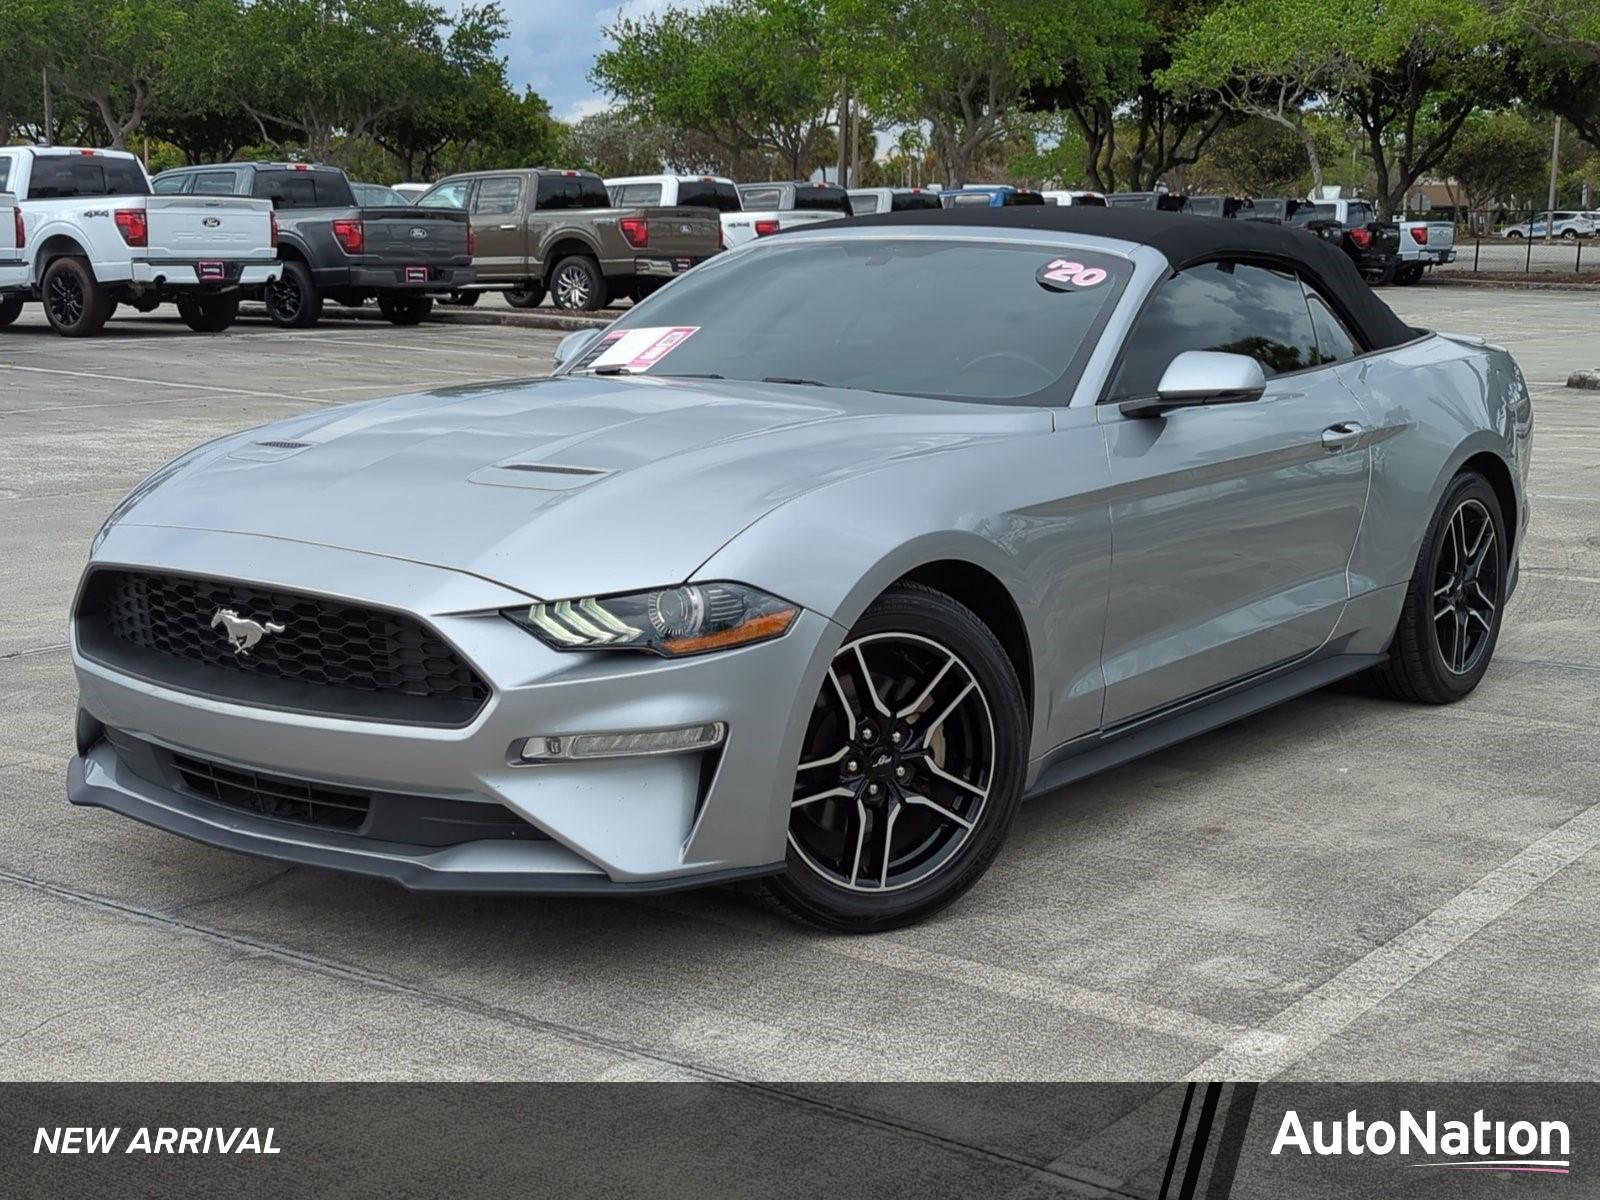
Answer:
[(285, 445), (551, 469), (542, 477)]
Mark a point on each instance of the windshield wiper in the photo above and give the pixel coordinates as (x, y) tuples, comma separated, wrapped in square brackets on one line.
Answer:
[(690, 375), (795, 380)]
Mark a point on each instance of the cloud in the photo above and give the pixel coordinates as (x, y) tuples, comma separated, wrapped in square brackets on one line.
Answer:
[(587, 107)]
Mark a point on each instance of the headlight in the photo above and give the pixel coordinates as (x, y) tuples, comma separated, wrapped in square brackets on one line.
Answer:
[(673, 622)]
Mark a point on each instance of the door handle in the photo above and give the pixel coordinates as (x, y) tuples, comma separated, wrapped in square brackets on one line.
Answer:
[(1342, 436), (508, 227)]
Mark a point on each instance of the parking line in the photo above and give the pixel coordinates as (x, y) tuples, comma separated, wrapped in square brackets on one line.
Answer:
[(156, 383), (1354, 992)]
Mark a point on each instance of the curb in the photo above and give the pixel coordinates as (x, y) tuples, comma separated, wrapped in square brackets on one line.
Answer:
[(1518, 284), (560, 322), (1584, 379)]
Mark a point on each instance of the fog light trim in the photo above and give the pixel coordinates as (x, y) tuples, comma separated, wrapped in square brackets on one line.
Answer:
[(580, 746)]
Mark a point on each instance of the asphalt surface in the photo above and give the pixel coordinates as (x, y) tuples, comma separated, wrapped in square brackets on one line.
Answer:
[(1339, 889)]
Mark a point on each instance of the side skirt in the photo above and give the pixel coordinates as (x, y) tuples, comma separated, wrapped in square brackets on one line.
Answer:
[(1086, 756)]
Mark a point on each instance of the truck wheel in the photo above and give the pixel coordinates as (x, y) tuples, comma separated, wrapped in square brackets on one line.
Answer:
[(405, 310), (74, 304), (526, 297), (10, 309), (292, 299), (1408, 274), (465, 299), (641, 288), (209, 314), (577, 285)]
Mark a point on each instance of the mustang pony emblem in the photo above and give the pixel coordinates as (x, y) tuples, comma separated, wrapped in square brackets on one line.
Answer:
[(243, 633)]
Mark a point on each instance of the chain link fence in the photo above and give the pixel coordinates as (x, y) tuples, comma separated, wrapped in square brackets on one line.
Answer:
[(1502, 242)]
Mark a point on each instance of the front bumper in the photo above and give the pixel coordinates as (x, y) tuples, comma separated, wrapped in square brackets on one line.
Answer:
[(624, 824), (211, 273)]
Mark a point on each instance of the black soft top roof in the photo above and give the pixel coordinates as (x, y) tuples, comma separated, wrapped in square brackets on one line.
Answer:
[(1187, 240)]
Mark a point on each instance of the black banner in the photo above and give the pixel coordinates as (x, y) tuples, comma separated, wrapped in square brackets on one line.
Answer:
[(1150, 1141)]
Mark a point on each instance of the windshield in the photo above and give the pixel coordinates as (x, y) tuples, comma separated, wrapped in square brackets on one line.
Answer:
[(883, 314)]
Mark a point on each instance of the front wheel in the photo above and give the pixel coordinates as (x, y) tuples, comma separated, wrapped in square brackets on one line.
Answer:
[(74, 303), (577, 285), (405, 310), (911, 769), (10, 309), (1450, 620), (1570, 234), (1514, 234), (209, 314)]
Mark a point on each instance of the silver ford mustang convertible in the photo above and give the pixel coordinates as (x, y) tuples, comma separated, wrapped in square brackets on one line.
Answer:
[(810, 567)]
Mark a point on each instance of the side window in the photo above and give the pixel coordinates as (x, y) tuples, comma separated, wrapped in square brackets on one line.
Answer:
[(213, 183), (447, 195), (646, 194), (1235, 308), (168, 185), (1335, 343), (862, 203), (553, 193), (5, 172), (498, 194)]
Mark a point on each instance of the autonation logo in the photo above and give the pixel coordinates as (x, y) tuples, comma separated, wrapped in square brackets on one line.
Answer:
[(1476, 1145)]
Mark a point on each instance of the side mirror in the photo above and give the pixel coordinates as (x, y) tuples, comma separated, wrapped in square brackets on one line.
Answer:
[(574, 344), (1201, 377)]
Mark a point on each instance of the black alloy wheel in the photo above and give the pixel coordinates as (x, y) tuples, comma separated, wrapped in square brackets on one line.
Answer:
[(911, 769)]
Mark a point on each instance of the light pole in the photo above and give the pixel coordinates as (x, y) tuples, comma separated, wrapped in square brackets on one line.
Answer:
[(1555, 166)]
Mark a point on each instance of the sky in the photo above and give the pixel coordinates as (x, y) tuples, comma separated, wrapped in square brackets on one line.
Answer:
[(553, 43)]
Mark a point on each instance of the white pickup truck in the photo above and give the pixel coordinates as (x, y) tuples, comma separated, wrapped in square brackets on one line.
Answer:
[(13, 271), (770, 207), (1424, 244), (94, 237)]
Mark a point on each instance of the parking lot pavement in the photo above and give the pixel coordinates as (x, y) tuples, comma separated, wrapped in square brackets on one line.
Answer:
[(1340, 888)]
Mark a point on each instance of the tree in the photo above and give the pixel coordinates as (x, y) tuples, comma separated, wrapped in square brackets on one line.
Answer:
[(1498, 156), (1255, 158), (747, 75), (1269, 59), (119, 57), (966, 67)]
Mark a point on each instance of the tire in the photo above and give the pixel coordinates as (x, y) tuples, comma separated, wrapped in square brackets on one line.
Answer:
[(1426, 664), (1570, 234), (1408, 274), (1514, 234), (209, 314), (405, 310), (642, 289), (464, 299), (10, 309), (74, 304), (293, 301), (577, 285), (526, 297), (866, 771)]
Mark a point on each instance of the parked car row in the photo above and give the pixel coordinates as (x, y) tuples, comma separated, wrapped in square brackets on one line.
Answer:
[(1570, 225)]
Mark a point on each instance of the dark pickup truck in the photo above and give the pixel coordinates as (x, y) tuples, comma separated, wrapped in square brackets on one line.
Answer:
[(541, 230), (1353, 226), (332, 248)]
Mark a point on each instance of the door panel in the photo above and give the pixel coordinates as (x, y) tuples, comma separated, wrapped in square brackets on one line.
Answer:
[(1232, 528), (501, 231)]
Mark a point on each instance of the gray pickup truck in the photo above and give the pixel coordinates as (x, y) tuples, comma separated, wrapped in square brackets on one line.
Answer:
[(540, 230), (333, 248)]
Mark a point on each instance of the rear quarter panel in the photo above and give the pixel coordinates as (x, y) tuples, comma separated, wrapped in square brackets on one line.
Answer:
[(1434, 404)]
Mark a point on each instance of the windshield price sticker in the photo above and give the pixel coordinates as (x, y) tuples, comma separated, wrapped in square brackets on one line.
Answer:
[(1063, 275), (641, 349)]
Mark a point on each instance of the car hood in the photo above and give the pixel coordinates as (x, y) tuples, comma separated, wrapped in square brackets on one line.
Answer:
[(556, 487)]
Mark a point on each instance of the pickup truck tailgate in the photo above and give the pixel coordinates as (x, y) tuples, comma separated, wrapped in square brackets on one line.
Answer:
[(415, 236), (190, 228), (687, 231)]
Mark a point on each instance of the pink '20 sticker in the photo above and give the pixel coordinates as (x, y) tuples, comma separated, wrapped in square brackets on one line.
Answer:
[(1061, 273)]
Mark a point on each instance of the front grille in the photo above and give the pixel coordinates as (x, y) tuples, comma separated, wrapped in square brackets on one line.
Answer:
[(274, 796), (278, 649)]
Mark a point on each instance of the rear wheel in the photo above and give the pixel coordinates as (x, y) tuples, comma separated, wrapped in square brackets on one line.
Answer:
[(911, 770), (405, 310), (1450, 621), (74, 304), (1569, 233), (465, 299), (530, 296), (1408, 274), (292, 299), (1515, 234), (209, 314), (10, 309), (577, 285)]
